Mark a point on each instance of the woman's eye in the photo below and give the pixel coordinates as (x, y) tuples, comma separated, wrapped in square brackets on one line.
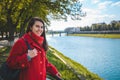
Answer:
[(41, 26)]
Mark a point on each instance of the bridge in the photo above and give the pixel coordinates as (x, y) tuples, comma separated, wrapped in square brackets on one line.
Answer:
[(57, 32)]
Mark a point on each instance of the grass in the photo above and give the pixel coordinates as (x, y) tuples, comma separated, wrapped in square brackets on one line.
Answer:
[(66, 73), (115, 36), (4, 52)]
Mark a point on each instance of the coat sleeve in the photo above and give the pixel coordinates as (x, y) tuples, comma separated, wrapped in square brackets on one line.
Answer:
[(18, 56), (51, 68)]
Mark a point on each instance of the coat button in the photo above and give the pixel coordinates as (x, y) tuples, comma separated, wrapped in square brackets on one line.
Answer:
[(40, 62), (40, 73), (22, 65)]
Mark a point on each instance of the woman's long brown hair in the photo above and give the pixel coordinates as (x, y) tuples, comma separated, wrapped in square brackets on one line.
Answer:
[(31, 23)]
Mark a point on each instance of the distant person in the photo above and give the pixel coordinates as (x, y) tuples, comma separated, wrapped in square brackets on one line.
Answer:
[(33, 63)]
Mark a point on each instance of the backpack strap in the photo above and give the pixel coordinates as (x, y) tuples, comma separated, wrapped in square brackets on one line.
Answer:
[(28, 45)]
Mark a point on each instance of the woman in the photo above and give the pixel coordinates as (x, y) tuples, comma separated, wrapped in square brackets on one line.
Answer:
[(33, 63)]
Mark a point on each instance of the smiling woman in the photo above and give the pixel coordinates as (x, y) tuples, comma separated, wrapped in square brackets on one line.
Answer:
[(32, 60)]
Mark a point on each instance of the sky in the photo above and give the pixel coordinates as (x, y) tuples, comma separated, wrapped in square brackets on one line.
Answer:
[(98, 11)]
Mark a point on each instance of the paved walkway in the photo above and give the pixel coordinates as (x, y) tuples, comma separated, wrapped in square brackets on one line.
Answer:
[(4, 43), (7, 43)]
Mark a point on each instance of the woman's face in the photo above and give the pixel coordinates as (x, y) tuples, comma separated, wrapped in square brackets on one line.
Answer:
[(37, 28)]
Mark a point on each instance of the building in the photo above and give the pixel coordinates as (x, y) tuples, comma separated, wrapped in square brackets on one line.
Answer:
[(72, 29)]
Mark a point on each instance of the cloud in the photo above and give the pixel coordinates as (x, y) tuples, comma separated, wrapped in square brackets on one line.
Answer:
[(104, 5), (94, 16), (91, 11), (116, 4), (81, 0), (95, 1)]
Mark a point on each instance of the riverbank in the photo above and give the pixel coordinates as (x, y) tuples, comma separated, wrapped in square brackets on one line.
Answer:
[(114, 36), (69, 69)]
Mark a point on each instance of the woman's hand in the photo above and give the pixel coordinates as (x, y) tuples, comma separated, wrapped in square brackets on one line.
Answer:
[(58, 75), (32, 53)]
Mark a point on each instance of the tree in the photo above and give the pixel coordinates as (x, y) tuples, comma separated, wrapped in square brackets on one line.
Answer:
[(76, 12), (113, 23), (117, 25), (18, 12)]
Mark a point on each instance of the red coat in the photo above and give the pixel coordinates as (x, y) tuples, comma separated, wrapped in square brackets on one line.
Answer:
[(36, 68)]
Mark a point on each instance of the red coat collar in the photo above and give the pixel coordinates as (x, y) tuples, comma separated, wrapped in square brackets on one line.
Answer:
[(31, 35), (39, 40)]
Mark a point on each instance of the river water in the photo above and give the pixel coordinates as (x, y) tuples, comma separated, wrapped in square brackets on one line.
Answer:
[(99, 55)]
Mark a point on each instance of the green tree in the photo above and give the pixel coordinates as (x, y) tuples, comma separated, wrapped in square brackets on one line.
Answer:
[(113, 23), (117, 25), (18, 12)]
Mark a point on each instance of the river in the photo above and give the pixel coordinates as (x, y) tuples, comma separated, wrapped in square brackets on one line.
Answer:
[(99, 55)]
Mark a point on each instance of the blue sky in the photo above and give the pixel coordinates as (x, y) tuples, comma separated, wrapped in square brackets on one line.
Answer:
[(98, 11)]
